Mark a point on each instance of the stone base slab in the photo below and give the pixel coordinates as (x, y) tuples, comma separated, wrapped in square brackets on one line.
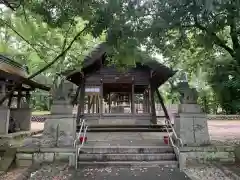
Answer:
[(31, 156), (59, 131), (13, 138), (189, 108), (194, 155), (61, 109), (192, 128)]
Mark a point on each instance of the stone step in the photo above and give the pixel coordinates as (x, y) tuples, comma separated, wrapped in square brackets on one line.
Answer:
[(127, 126), (171, 164), (127, 157), (127, 130), (113, 140), (127, 149)]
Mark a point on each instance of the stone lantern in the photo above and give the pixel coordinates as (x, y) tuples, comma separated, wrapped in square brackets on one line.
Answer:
[(191, 123)]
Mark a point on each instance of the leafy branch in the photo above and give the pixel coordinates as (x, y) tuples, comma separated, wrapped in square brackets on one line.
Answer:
[(24, 39), (215, 38), (48, 65)]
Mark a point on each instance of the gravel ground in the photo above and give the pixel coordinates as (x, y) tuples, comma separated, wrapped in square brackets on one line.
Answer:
[(54, 171), (62, 172), (12, 174), (206, 172)]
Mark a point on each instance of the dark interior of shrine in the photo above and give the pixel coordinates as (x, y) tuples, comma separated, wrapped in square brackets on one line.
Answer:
[(123, 87)]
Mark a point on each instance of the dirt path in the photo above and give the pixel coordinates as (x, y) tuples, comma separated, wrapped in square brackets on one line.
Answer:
[(224, 130)]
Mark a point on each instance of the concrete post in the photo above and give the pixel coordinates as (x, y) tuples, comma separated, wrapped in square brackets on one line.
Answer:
[(4, 122), (191, 125)]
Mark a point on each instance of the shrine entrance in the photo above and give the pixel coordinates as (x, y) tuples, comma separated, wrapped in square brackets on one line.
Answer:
[(108, 103), (117, 98), (109, 95)]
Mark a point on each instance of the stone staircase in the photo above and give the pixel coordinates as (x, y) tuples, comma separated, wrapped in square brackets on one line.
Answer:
[(143, 156), (127, 128), (126, 145)]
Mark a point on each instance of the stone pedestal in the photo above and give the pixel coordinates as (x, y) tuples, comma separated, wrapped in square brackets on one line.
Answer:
[(22, 118), (61, 107), (191, 125), (4, 120), (59, 131)]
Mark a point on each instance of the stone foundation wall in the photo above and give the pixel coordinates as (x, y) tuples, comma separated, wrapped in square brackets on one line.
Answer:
[(27, 156), (202, 155), (209, 117)]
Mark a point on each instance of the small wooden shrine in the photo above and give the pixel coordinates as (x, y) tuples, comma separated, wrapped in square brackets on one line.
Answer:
[(15, 112), (108, 95)]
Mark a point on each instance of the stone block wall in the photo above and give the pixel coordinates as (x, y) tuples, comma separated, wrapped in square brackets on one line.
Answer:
[(27, 156), (210, 154)]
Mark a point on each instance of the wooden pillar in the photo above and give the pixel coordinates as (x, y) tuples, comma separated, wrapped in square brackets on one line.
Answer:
[(152, 100), (109, 103), (144, 104), (146, 101), (28, 96), (133, 97), (153, 109), (3, 92), (93, 104), (149, 99), (80, 111), (19, 98), (101, 99), (89, 104), (10, 100), (97, 104)]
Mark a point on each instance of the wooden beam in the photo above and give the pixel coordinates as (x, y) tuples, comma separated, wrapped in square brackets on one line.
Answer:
[(89, 104), (147, 101), (10, 101), (109, 103), (153, 108), (28, 96), (133, 97), (101, 99), (19, 98), (162, 104), (93, 104), (152, 102), (80, 111), (75, 99), (97, 104)]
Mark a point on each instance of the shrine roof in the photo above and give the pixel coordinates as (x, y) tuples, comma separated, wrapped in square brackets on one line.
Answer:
[(161, 73), (12, 72)]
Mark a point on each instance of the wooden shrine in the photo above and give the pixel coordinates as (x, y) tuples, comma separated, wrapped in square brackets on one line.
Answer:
[(15, 112), (108, 95)]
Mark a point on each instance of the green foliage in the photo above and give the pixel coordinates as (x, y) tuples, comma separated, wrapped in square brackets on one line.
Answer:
[(34, 43), (224, 79)]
